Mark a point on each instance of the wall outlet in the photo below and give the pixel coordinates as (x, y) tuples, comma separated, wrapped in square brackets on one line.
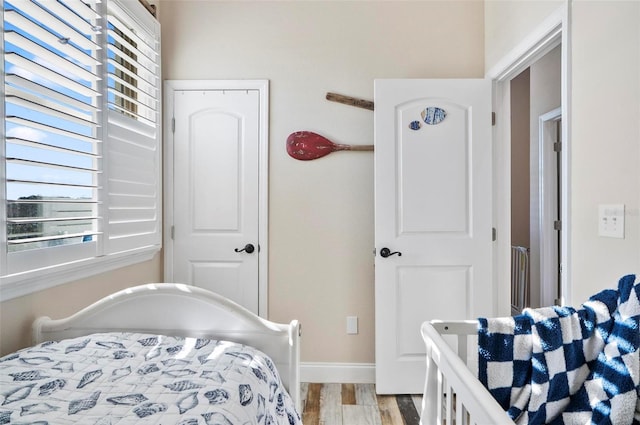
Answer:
[(352, 325), (611, 220)]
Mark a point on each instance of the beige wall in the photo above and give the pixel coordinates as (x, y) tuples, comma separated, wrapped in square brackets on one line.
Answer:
[(520, 153), (508, 22), (605, 144), (16, 315), (321, 212), (605, 124)]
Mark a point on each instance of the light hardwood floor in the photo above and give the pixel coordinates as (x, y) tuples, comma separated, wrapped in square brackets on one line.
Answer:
[(356, 404)]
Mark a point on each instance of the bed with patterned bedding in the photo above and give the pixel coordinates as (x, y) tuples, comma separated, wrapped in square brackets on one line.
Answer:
[(158, 353), (138, 378)]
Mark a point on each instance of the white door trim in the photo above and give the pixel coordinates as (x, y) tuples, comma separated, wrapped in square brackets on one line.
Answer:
[(550, 33), (548, 206), (170, 87)]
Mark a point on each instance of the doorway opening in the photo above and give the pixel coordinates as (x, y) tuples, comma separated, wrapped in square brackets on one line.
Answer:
[(535, 198), (535, 194), (551, 39)]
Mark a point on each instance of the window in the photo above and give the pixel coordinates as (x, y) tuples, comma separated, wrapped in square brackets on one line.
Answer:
[(80, 181)]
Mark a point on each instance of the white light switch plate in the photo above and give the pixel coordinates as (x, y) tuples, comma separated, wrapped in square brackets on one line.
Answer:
[(352, 325), (611, 220)]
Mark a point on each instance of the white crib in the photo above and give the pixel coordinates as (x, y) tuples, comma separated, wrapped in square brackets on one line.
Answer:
[(453, 395)]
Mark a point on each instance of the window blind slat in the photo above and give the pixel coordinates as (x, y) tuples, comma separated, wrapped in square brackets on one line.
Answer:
[(32, 86), (53, 201), (142, 109), (66, 15), (148, 63), (57, 63), (51, 238), (85, 9), (148, 44), (143, 89), (140, 74), (131, 228), (126, 111), (39, 126), (40, 104), (48, 164), (21, 181), (131, 69), (34, 107), (52, 148), (39, 14), (48, 220), (36, 31), (44, 72)]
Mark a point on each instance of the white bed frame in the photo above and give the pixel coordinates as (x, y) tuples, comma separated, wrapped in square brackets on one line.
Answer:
[(452, 393), (182, 310)]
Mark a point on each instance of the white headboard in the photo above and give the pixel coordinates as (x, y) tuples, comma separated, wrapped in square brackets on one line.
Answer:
[(183, 310)]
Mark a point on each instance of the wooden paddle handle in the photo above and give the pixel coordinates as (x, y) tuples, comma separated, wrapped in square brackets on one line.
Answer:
[(341, 147), (360, 147), (348, 100)]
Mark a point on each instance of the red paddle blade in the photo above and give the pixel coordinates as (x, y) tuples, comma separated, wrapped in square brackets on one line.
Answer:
[(307, 145)]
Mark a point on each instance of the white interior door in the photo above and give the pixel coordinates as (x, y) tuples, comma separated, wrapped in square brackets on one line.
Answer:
[(215, 196), (433, 214)]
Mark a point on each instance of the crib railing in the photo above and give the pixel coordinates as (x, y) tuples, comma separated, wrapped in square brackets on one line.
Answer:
[(519, 278), (453, 395)]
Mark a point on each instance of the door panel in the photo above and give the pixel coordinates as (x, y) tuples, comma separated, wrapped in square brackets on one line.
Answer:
[(216, 210), (433, 205), (417, 284), (420, 181), (215, 167)]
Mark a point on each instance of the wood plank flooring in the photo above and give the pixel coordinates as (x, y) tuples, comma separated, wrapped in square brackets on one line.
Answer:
[(356, 404)]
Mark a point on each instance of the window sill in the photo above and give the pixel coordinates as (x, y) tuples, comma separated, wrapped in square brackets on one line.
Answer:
[(20, 284)]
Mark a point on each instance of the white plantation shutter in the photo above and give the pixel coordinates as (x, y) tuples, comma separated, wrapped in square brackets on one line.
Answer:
[(132, 158), (52, 128), (81, 160)]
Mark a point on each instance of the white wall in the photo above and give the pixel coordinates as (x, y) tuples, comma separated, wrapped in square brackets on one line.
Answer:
[(605, 124), (321, 212)]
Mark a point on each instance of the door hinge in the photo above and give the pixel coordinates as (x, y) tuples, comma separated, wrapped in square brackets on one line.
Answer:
[(557, 225), (173, 232), (493, 118), (494, 234), (173, 125), (557, 147)]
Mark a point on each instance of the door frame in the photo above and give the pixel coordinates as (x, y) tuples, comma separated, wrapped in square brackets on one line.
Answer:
[(548, 207), (553, 31), (170, 88)]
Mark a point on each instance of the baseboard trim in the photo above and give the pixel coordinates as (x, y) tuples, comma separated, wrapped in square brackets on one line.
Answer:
[(356, 373)]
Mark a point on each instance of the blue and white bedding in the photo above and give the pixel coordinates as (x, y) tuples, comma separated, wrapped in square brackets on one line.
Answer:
[(560, 365), (133, 378)]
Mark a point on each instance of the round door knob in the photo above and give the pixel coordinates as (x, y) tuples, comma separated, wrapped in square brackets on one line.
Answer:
[(386, 252), (248, 248)]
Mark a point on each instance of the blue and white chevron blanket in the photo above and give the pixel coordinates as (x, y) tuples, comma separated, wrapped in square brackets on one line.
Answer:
[(560, 365)]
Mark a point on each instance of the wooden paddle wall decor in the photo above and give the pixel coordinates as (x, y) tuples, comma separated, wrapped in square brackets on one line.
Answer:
[(307, 145)]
